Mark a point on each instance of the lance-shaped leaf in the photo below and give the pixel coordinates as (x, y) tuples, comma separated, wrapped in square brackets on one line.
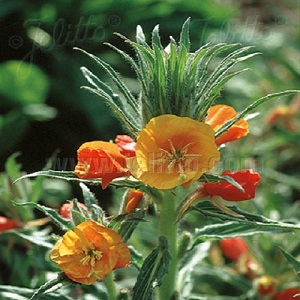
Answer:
[(292, 261), (154, 268), (126, 223), (250, 224), (128, 182), (97, 213), (55, 217)]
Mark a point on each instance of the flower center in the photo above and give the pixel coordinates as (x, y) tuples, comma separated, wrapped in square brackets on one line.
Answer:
[(91, 257), (175, 158)]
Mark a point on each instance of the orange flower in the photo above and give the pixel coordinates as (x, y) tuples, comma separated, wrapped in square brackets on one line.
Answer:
[(218, 115), (126, 145), (99, 159), (173, 151), (89, 252), (133, 198), (7, 224)]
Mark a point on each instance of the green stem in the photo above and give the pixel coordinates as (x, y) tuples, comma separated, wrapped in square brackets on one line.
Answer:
[(110, 287), (168, 227), (52, 285)]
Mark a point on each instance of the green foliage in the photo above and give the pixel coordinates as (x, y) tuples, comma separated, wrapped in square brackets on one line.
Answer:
[(173, 79), (125, 224), (294, 263), (51, 213), (154, 268), (248, 224)]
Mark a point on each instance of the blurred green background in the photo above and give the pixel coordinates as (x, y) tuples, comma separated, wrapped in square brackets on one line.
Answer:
[(44, 114)]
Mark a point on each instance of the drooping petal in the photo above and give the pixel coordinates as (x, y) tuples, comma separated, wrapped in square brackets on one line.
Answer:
[(247, 179), (217, 115), (100, 159)]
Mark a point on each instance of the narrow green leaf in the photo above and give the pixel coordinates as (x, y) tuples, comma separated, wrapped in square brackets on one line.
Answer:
[(136, 258), (292, 261), (55, 217), (8, 292), (39, 238), (179, 77), (154, 268), (126, 223), (184, 35), (160, 81), (14, 290), (78, 214), (97, 213), (128, 182), (141, 76), (214, 178), (119, 112), (130, 223), (249, 225), (44, 291), (156, 37), (116, 79)]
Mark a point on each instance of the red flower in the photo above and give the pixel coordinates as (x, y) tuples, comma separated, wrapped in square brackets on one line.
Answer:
[(218, 115), (287, 294), (65, 210), (246, 178), (233, 248), (133, 198), (126, 145), (99, 159), (7, 224)]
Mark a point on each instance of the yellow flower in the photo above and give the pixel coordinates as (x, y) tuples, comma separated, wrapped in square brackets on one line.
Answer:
[(173, 151), (89, 252)]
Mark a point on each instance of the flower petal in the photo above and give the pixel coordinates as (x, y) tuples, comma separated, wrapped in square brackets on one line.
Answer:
[(98, 159), (172, 150), (246, 178), (90, 252), (218, 115)]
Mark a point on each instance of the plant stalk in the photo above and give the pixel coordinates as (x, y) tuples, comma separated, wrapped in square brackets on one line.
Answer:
[(110, 287), (168, 227)]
